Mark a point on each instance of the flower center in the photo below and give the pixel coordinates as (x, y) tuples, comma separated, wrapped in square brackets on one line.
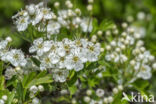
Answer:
[(75, 58), (47, 60), (16, 56), (40, 46), (91, 48)]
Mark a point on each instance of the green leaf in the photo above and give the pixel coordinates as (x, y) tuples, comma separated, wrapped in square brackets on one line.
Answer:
[(28, 78), (10, 98), (36, 61), (41, 80), (72, 79), (1, 67), (140, 84), (72, 89), (19, 91), (106, 24), (2, 79)]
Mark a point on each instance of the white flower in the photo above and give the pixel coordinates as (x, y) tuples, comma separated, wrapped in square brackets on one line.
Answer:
[(2, 101), (3, 44), (154, 66), (31, 9), (93, 51), (42, 14), (86, 25), (4, 97), (9, 73), (99, 92), (33, 89), (54, 58), (87, 99), (73, 61), (46, 62), (16, 57), (89, 92), (35, 101), (60, 75), (22, 13), (110, 99), (40, 46), (40, 88), (22, 23), (53, 27), (145, 72)]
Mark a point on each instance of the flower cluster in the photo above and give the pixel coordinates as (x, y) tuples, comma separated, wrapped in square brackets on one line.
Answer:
[(65, 54), (129, 43), (33, 91), (45, 20), (13, 56), (3, 99)]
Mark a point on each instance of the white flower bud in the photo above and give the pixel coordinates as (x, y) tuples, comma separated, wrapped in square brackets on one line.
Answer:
[(110, 99), (142, 49), (89, 7), (154, 66), (99, 33), (99, 92), (31, 95), (101, 49), (112, 56), (117, 50), (15, 100), (31, 9), (130, 30), (4, 97), (40, 88), (35, 101), (90, 1), (54, 17), (130, 19), (137, 36), (108, 33), (2, 101), (67, 2), (73, 101), (9, 39), (132, 62), (151, 58), (141, 15), (141, 56), (56, 4), (70, 14), (126, 42), (139, 43), (33, 89), (87, 99), (113, 43), (115, 90), (78, 11), (105, 100), (94, 37), (70, 5), (124, 34), (63, 92), (114, 27), (122, 47), (17, 68), (124, 25), (115, 31), (89, 92), (108, 47), (120, 87)]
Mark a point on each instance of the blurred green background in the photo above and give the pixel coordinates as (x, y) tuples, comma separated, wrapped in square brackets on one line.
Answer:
[(116, 10)]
